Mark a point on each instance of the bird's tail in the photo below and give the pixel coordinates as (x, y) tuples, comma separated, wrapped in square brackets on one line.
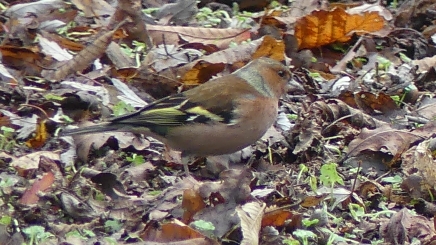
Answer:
[(98, 128)]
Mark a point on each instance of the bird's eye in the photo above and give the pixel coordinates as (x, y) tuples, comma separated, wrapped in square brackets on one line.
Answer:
[(281, 73)]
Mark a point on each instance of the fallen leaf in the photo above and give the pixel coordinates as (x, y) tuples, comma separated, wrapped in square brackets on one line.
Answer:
[(325, 27)]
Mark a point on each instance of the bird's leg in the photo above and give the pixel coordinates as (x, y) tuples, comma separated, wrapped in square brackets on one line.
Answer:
[(186, 160)]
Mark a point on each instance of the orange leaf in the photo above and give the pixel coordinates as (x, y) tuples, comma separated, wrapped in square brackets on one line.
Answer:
[(325, 27), (192, 203), (40, 137), (276, 218), (270, 47), (169, 233), (201, 72)]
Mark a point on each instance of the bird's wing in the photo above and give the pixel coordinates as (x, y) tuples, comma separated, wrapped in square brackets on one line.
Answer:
[(210, 104)]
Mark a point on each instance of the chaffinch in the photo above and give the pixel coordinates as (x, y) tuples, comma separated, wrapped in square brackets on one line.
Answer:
[(221, 116)]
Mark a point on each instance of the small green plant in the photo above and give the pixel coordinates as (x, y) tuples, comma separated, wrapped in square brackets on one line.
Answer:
[(316, 76), (5, 220), (211, 18), (136, 159), (329, 175), (376, 242), (112, 226), (399, 100), (122, 108), (135, 52), (394, 4), (83, 234), (339, 47), (395, 181), (309, 222), (154, 193), (5, 183), (313, 183), (243, 18), (36, 234), (67, 119), (356, 211), (291, 242), (88, 233), (204, 226), (404, 58), (150, 10), (292, 117), (64, 29), (303, 169), (53, 97), (334, 238), (304, 236), (7, 141), (383, 63), (111, 240)]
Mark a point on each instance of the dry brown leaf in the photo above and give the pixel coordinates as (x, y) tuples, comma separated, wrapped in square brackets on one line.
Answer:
[(416, 187), (84, 58), (425, 64), (312, 201), (63, 42), (426, 108), (276, 218), (26, 60), (219, 37), (28, 163), (325, 27), (169, 232), (369, 102), (4, 120), (165, 82), (270, 47), (201, 73), (124, 73), (385, 138), (419, 158), (369, 188), (37, 8), (30, 196), (403, 226), (85, 143), (94, 8), (192, 203), (279, 21)]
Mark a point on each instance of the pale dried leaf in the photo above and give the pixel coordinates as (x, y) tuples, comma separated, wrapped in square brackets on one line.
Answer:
[(53, 49), (251, 218), (425, 64), (217, 36)]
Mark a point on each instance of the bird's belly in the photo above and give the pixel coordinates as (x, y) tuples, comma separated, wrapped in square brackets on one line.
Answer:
[(201, 140)]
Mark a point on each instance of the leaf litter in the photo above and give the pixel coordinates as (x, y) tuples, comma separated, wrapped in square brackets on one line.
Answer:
[(349, 162)]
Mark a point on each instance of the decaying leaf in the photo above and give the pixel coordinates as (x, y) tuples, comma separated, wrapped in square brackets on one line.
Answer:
[(251, 217), (386, 138), (325, 27), (403, 226)]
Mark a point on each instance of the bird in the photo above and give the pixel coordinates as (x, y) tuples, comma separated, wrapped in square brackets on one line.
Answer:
[(222, 116)]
